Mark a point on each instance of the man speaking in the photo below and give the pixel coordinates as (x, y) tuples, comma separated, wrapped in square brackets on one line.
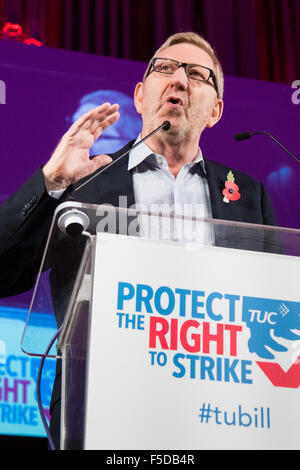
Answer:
[(183, 85)]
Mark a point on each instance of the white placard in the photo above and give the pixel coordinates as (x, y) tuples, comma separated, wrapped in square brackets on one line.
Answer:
[(192, 348)]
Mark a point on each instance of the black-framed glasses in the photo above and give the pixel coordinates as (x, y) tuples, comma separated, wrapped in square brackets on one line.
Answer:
[(193, 71)]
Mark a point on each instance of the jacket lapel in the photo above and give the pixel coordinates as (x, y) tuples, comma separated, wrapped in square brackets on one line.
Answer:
[(216, 176), (113, 186)]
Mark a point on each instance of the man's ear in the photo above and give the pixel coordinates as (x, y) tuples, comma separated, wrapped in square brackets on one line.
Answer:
[(216, 113), (138, 97)]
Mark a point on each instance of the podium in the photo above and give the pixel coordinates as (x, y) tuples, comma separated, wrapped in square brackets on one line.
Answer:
[(167, 344)]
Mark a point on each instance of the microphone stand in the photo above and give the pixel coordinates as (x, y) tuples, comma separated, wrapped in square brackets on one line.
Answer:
[(165, 126), (248, 135)]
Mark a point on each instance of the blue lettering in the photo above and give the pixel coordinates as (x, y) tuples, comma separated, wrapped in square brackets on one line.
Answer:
[(193, 360), (123, 295), (9, 370), (182, 294), (196, 303), (229, 370), (207, 365), (232, 299), (176, 360), (143, 299), (208, 368), (171, 300), (245, 371), (209, 302)]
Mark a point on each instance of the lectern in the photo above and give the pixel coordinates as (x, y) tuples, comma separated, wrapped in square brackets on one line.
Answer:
[(167, 344)]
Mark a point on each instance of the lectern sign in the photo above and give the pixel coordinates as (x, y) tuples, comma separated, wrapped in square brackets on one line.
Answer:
[(194, 347)]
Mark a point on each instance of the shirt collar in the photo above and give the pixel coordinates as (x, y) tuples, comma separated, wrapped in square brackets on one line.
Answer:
[(139, 154)]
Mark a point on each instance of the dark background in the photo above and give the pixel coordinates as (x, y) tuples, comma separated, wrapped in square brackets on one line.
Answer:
[(253, 38)]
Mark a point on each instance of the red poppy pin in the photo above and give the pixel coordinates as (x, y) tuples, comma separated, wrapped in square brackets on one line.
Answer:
[(231, 191)]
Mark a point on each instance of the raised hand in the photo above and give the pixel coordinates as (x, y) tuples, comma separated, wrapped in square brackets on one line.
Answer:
[(70, 160)]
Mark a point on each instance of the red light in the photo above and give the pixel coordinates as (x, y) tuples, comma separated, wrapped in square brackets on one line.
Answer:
[(32, 42), (14, 32), (11, 30)]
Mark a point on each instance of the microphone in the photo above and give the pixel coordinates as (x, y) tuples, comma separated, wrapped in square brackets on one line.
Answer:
[(243, 136), (165, 127), (248, 135)]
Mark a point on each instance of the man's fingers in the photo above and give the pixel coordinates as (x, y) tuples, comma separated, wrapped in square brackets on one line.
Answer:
[(86, 116), (70, 162), (110, 120), (97, 118), (97, 114), (98, 127), (100, 113), (101, 160)]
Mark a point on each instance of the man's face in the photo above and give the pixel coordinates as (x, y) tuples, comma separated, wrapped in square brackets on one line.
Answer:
[(188, 104)]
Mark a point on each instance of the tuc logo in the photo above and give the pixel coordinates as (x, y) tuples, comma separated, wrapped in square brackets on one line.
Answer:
[(269, 321)]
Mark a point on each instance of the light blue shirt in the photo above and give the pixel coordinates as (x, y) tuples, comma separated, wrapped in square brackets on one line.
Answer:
[(156, 190)]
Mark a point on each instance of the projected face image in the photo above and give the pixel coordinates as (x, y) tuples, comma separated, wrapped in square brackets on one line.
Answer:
[(125, 129)]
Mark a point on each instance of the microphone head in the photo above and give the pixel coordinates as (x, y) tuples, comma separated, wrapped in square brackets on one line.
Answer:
[(243, 136), (166, 125)]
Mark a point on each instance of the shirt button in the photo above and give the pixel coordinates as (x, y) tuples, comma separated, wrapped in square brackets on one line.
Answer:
[(160, 160)]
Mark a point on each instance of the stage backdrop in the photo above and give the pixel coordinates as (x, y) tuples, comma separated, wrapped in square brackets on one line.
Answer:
[(46, 88), (43, 90)]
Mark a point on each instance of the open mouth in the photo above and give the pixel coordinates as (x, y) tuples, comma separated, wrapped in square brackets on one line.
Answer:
[(175, 101)]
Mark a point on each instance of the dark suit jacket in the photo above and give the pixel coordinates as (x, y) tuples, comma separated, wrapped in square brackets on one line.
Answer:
[(26, 216)]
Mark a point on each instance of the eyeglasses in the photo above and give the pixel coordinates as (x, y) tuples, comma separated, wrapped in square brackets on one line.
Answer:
[(193, 71)]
